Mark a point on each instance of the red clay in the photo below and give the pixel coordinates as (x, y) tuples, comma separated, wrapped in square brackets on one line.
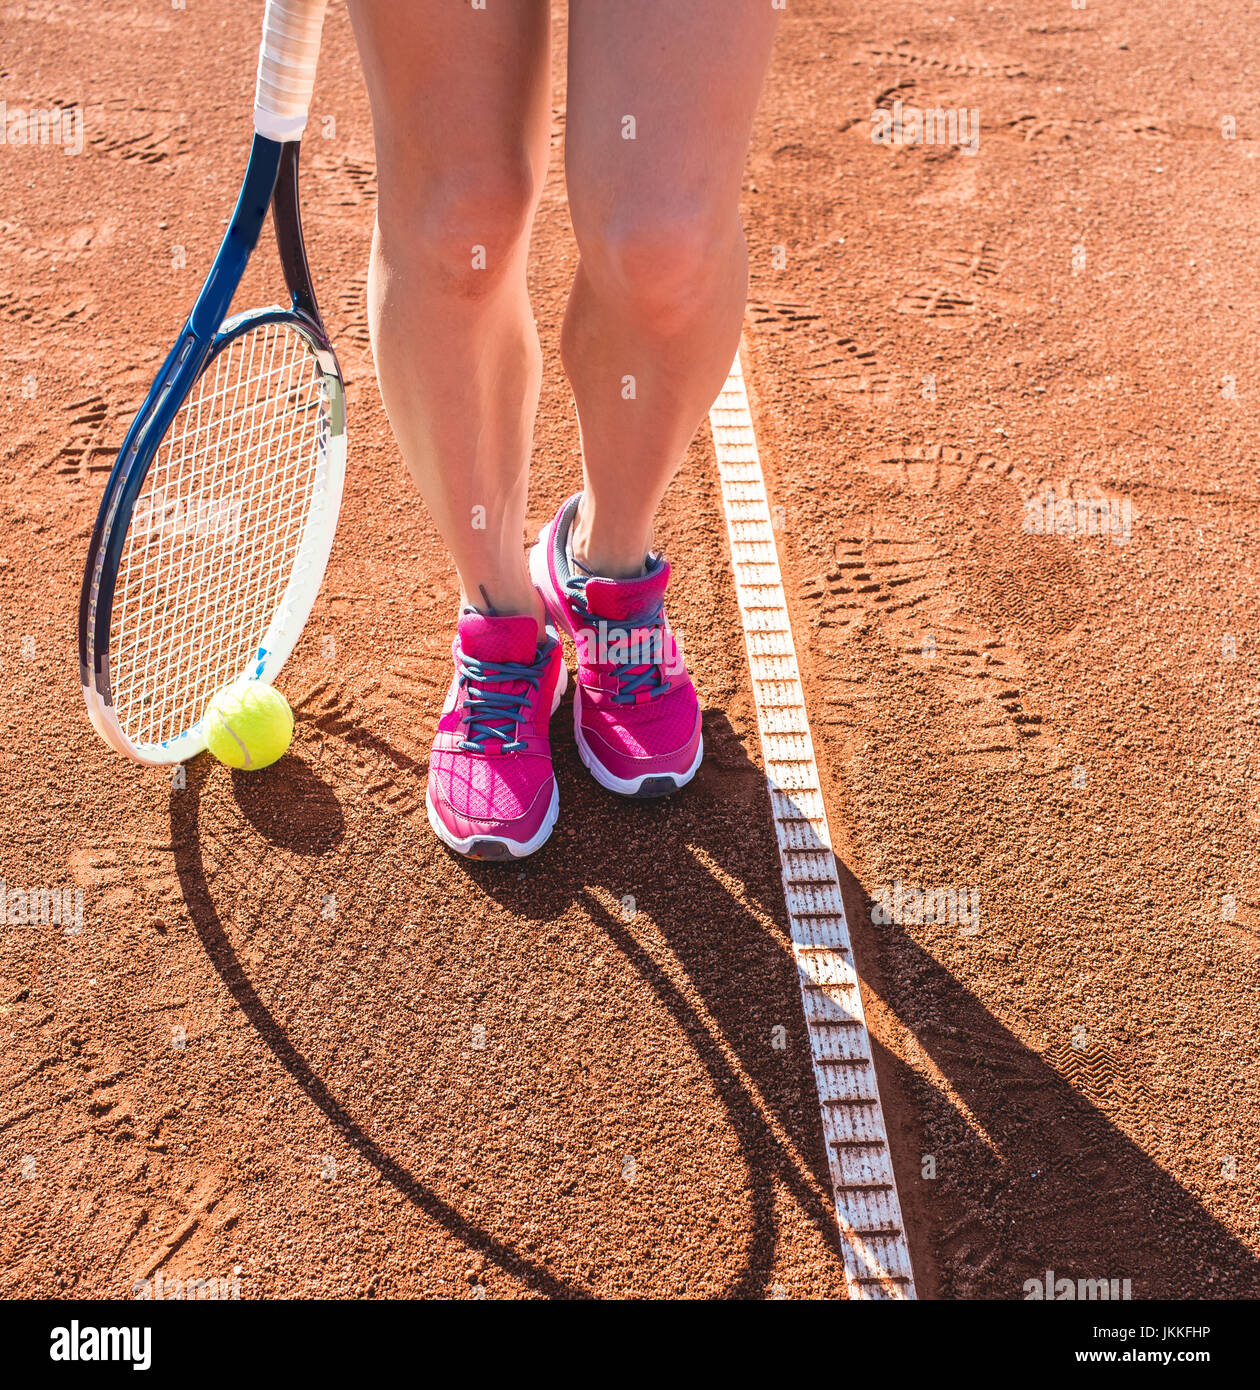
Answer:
[(296, 1035)]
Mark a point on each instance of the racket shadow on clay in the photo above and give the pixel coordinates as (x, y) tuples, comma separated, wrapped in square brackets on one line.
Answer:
[(206, 906), (290, 807)]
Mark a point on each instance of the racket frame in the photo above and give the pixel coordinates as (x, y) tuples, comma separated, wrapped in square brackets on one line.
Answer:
[(271, 181)]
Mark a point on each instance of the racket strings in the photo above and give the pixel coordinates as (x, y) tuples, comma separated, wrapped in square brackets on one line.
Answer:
[(216, 532)]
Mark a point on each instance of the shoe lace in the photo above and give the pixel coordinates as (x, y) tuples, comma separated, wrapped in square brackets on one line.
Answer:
[(491, 712), (632, 681)]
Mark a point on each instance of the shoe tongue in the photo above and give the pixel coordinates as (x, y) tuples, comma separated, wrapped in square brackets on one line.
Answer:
[(629, 600), (498, 639)]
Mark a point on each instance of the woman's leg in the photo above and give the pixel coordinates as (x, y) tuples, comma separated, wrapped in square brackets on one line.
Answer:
[(461, 112), (660, 105)]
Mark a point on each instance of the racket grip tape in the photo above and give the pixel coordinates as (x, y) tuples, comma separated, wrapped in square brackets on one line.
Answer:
[(287, 59)]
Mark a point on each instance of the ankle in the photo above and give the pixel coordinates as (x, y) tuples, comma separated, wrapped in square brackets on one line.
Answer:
[(616, 556)]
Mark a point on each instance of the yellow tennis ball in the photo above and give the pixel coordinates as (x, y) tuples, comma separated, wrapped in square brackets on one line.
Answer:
[(248, 724)]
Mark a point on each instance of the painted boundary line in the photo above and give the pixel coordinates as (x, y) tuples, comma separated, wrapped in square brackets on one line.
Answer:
[(876, 1255)]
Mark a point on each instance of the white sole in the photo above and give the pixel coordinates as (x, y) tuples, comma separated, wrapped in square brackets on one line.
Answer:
[(496, 846), (647, 784)]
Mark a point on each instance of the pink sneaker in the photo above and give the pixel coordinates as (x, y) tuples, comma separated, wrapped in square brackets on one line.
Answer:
[(635, 712), (492, 793)]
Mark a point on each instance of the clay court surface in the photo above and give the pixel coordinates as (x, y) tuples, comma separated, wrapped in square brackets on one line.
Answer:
[(402, 1074)]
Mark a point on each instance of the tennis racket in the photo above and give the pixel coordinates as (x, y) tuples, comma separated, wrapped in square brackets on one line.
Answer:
[(219, 513)]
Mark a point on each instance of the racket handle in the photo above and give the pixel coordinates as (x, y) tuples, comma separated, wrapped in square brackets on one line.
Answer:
[(286, 67)]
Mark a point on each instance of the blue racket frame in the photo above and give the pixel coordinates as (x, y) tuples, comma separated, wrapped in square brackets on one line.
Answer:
[(270, 182)]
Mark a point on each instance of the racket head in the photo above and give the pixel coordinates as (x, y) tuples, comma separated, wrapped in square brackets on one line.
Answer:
[(215, 534)]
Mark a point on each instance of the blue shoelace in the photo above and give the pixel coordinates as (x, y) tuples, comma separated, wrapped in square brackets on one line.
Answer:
[(496, 714), (632, 679)]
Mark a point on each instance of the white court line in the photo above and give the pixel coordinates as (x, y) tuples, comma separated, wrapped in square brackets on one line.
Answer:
[(876, 1256)]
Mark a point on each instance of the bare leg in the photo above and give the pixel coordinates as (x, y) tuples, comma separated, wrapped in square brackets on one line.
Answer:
[(654, 318), (461, 111)]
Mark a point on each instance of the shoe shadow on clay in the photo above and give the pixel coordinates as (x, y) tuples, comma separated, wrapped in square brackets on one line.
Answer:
[(684, 894)]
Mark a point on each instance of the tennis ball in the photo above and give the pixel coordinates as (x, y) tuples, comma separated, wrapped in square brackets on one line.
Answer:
[(248, 724)]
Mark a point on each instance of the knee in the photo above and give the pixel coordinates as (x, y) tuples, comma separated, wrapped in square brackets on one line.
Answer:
[(662, 264), (460, 230)]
